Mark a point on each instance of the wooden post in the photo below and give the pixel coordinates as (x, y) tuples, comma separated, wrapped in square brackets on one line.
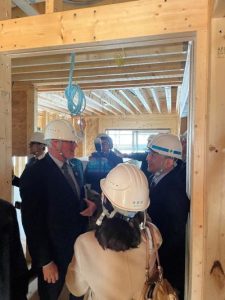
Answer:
[(24, 118), (5, 115), (215, 171)]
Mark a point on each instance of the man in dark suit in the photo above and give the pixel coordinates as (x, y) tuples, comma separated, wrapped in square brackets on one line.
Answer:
[(169, 205), (53, 211), (37, 152)]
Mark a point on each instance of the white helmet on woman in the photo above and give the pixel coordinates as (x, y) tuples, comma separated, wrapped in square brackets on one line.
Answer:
[(167, 144), (60, 130), (126, 188)]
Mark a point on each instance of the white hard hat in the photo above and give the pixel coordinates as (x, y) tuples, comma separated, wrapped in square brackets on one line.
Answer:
[(37, 137), (167, 144), (126, 187), (60, 130)]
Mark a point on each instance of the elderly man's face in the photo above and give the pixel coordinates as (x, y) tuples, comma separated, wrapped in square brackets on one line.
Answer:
[(155, 161), (66, 149)]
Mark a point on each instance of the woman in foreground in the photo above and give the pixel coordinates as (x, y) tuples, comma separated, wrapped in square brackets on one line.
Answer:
[(109, 262)]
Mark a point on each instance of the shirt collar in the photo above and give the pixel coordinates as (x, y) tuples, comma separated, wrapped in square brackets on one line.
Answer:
[(58, 162)]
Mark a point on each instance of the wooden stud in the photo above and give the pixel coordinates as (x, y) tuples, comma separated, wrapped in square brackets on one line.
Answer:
[(5, 115)]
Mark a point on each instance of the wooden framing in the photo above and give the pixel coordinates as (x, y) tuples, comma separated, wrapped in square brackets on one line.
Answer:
[(142, 19), (101, 24), (5, 115)]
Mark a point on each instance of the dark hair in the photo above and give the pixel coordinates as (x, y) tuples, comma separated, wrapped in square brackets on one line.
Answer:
[(118, 234)]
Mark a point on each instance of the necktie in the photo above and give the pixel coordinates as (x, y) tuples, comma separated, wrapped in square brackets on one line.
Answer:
[(152, 184), (65, 169)]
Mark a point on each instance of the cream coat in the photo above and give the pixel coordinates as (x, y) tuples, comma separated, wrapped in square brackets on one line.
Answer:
[(110, 275)]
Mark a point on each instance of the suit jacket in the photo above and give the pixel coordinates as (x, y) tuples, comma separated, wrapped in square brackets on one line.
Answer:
[(50, 213), (169, 210), (109, 274), (13, 268)]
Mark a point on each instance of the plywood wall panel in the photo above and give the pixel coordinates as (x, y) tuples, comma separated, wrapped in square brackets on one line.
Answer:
[(140, 122)]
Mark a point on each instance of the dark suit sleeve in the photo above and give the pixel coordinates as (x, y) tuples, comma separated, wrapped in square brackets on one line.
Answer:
[(34, 207), (138, 156), (16, 181), (18, 263), (173, 226)]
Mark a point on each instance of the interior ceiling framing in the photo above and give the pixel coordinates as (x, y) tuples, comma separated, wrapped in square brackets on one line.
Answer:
[(132, 78)]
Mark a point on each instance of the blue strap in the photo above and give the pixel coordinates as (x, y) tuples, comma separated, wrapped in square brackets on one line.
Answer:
[(72, 91), (154, 147)]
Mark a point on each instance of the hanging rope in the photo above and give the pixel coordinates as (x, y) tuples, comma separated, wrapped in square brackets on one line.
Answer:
[(74, 92)]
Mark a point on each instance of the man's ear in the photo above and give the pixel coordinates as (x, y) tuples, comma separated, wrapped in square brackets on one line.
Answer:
[(169, 163)]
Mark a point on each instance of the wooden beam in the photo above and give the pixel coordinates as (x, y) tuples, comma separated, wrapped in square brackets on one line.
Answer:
[(100, 106), (113, 96), (142, 99), (101, 95), (168, 98), (156, 99), (117, 54), (128, 97), (185, 88), (89, 25), (91, 71), (61, 85), (53, 6)]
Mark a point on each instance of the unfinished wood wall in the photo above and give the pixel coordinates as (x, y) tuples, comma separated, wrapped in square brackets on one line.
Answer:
[(140, 122), (155, 19), (5, 115), (215, 183), (24, 111)]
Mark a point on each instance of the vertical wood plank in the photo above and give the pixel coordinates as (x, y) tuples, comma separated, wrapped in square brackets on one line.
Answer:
[(198, 142), (5, 115), (215, 175), (24, 118), (53, 6)]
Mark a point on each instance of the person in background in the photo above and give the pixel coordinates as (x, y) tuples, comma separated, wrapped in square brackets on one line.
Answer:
[(37, 152), (13, 268), (110, 261), (53, 210), (140, 156), (169, 206), (101, 161)]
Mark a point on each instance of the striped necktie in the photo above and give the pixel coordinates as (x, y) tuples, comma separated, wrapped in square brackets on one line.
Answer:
[(65, 169)]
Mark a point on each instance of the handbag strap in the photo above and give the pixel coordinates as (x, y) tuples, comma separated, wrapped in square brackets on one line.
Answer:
[(147, 276), (150, 236)]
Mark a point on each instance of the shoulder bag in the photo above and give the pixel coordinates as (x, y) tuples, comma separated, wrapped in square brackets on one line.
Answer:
[(156, 287)]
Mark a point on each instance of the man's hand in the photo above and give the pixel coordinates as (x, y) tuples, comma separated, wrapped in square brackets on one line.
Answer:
[(88, 212), (50, 272)]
